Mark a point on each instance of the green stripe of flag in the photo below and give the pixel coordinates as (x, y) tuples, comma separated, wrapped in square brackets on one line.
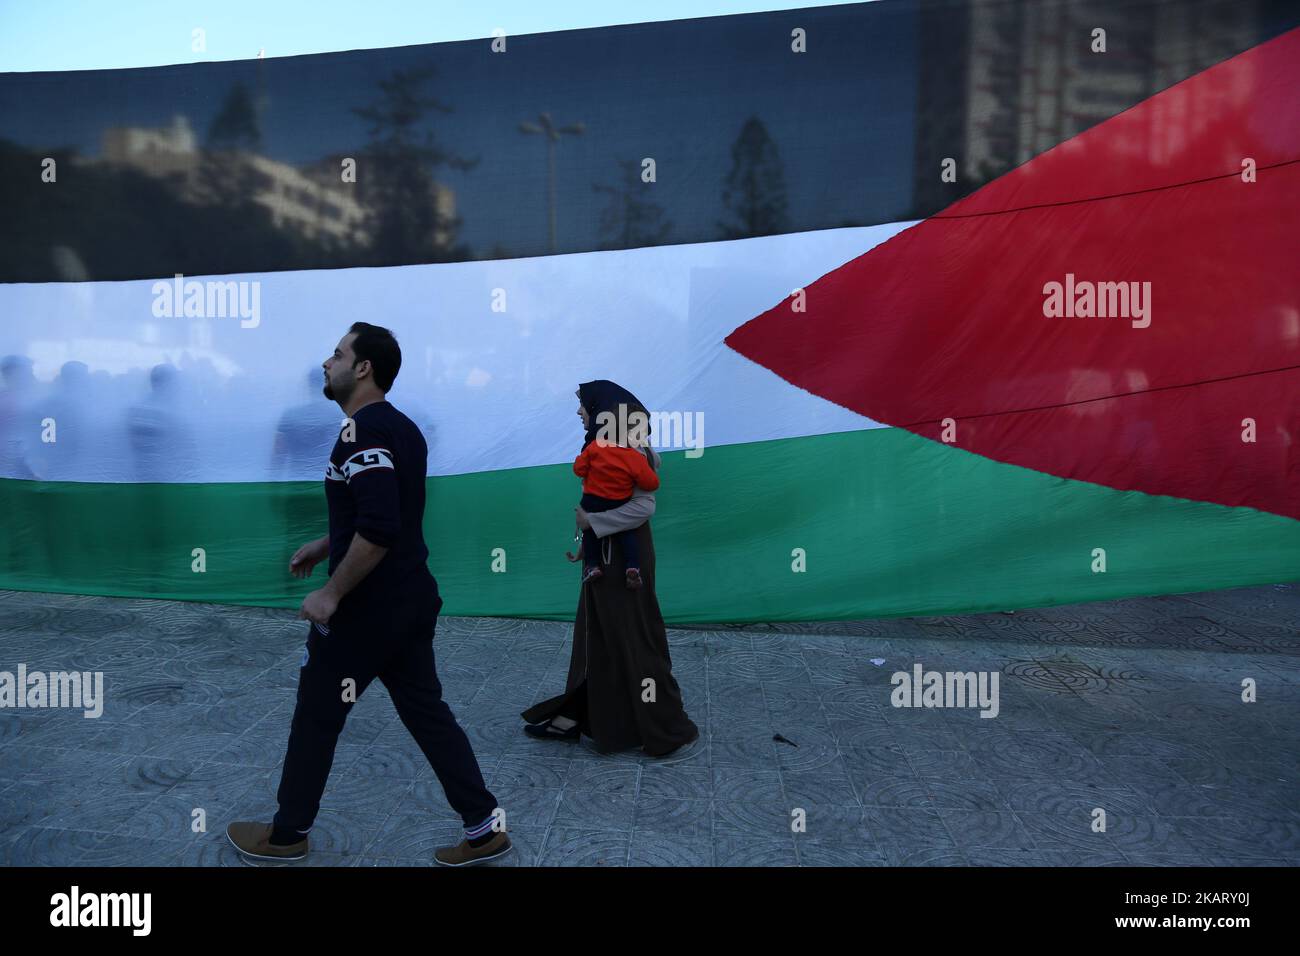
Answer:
[(890, 524)]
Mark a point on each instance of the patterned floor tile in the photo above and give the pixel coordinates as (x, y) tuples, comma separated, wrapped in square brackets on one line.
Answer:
[(1129, 708)]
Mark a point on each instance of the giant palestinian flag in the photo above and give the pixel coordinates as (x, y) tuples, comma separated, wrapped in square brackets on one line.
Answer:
[(939, 306)]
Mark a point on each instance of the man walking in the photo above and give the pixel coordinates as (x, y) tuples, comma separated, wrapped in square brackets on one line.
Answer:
[(374, 618)]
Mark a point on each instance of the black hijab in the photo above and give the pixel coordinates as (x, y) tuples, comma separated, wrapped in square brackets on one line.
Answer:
[(605, 396)]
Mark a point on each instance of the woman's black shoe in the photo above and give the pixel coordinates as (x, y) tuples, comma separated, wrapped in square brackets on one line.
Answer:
[(544, 731)]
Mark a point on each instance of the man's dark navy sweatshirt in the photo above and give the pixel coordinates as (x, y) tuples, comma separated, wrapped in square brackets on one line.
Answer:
[(375, 487)]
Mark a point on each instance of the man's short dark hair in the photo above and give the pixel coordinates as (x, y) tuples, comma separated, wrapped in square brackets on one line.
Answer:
[(377, 345)]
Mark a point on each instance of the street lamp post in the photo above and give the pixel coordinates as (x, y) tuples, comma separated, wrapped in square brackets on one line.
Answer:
[(548, 129)]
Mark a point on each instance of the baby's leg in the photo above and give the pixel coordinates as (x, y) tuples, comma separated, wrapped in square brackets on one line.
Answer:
[(631, 558), (631, 549), (590, 550)]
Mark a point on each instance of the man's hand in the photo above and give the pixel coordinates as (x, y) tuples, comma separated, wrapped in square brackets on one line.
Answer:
[(308, 556), (584, 522), (319, 606)]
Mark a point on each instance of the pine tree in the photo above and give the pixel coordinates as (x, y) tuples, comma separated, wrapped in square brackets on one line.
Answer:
[(631, 220), (754, 194), (395, 178)]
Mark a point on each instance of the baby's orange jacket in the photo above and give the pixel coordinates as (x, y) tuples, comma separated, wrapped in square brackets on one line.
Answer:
[(611, 471)]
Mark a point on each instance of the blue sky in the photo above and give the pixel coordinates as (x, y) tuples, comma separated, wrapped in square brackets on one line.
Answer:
[(110, 34)]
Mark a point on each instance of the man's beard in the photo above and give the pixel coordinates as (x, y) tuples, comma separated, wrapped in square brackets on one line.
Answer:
[(340, 394)]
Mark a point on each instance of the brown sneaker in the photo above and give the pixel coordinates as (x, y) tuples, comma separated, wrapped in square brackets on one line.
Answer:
[(254, 841), (465, 855)]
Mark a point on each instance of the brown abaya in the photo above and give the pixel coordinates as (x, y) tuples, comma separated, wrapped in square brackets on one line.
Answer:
[(619, 641)]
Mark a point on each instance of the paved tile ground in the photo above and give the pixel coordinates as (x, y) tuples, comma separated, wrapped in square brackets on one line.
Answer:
[(1133, 707)]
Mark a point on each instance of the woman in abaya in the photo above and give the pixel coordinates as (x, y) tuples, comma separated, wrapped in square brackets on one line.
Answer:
[(619, 639)]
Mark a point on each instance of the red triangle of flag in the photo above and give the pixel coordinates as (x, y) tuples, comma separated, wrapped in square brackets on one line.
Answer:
[(983, 322)]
